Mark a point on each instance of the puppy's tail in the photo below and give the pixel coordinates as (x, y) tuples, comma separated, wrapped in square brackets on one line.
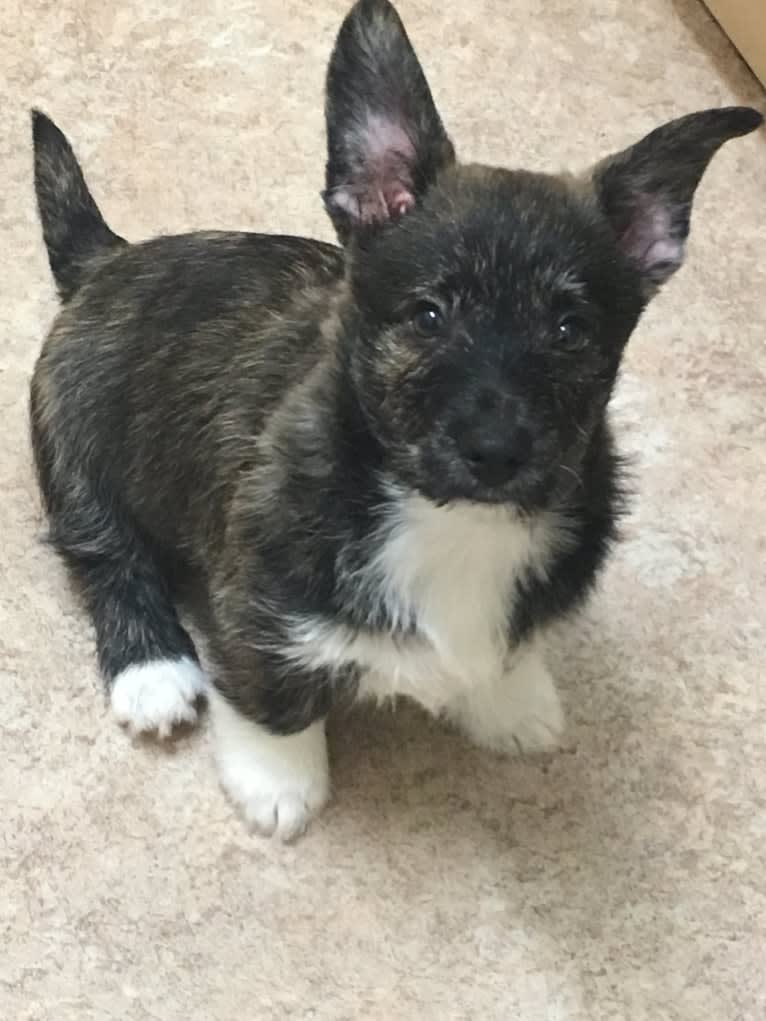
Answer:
[(73, 228)]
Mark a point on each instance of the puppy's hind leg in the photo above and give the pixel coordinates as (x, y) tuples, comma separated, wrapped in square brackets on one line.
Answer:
[(147, 658)]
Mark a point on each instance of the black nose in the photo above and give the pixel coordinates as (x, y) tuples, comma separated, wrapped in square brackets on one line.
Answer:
[(494, 457)]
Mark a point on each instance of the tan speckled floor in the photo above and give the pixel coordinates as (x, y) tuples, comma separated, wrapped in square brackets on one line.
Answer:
[(626, 879)]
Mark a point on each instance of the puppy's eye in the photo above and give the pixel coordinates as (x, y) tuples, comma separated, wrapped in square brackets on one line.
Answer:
[(573, 333), (428, 319)]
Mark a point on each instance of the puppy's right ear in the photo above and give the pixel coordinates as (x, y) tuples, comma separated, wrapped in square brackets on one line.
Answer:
[(385, 140)]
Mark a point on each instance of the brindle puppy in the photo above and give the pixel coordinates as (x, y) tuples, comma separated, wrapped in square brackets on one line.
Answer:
[(390, 462)]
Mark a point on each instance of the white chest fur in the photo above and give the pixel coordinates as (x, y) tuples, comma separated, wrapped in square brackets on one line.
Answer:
[(451, 572)]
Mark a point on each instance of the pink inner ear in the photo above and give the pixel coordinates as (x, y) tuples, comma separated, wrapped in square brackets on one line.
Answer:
[(373, 205), (383, 187), (381, 138), (649, 237), (400, 202)]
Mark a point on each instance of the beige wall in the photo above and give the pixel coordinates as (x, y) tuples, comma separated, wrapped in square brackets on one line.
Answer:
[(744, 21)]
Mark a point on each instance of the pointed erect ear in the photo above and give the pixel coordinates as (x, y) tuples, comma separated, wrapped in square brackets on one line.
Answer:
[(385, 140), (647, 190)]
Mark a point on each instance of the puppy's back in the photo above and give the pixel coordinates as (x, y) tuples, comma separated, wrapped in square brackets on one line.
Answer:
[(168, 356)]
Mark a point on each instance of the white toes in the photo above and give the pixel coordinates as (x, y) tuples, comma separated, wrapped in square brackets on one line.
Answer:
[(540, 729), (158, 695), (520, 713), (278, 783), (285, 815)]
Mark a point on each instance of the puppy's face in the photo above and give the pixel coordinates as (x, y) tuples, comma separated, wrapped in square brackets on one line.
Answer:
[(489, 309), (488, 331)]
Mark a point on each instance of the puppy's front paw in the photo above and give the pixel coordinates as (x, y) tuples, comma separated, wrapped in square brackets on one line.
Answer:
[(535, 727), (275, 797), (278, 783), (158, 695), (522, 713)]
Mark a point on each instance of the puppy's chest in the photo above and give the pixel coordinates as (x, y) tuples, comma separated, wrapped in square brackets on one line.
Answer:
[(446, 581)]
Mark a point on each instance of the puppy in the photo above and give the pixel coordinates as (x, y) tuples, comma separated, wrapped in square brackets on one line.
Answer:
[(389, 462)]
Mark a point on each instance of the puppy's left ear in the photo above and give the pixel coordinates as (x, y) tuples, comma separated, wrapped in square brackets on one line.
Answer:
[(647, 191), (385, 140)]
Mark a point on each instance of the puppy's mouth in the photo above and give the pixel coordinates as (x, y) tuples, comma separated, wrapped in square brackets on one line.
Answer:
[(526, 492), (444, 477), (529, 489)]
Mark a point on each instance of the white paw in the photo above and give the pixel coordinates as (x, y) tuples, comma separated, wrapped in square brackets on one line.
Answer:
[(279, 783), (538, 730), (521, 713), (158, 695)]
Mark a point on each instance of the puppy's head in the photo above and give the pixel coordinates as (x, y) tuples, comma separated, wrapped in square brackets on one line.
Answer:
[(489, 308)]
